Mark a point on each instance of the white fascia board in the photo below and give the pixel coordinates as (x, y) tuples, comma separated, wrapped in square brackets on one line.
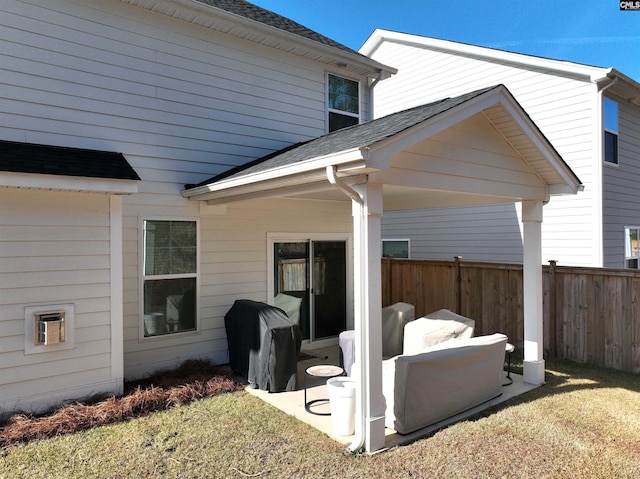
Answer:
[(296, 173), (527, 61), (68, 183)]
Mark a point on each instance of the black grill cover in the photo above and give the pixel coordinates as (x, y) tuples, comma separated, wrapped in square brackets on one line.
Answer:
[(263, 345)]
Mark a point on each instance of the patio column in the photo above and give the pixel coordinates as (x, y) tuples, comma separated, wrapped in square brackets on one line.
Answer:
[(368, 318), (533, 372)]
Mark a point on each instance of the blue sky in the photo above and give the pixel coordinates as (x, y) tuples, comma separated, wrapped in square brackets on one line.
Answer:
[(594, 32)]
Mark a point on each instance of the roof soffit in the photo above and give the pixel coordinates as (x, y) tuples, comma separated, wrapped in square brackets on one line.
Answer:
[(69, 184), (622, 86), (214, 18)]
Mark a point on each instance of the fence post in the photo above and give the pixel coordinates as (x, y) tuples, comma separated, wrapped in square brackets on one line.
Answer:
[(553, 294), (389, 280), (458, 288)]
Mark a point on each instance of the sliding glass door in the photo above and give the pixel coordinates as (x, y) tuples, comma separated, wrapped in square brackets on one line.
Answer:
[(310, 283)]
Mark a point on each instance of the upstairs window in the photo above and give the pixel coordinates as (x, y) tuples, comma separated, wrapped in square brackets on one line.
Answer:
[(344, 102), (632, 247), (169, 276), (610, 131)]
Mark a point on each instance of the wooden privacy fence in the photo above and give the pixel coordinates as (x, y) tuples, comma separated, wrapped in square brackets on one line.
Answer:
[(591, 315)]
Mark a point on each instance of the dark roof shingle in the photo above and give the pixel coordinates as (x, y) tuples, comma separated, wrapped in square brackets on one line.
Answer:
[(20, 157), (253, 12), (357, 136)]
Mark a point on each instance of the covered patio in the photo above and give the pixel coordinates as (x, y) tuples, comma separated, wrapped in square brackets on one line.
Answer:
[(479, 148), (292, 403)]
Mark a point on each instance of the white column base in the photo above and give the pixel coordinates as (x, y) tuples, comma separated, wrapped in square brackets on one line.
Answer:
[(533, 372), (375, 434)]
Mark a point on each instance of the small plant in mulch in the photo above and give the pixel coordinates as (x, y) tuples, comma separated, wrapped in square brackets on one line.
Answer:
[(195, 379)]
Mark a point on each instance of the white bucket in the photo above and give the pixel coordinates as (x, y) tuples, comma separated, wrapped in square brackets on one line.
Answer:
[(155, 323), (342, 400)]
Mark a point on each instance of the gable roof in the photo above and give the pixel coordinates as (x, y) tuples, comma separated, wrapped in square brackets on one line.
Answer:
[(358, 136), (491, 54), (253, 23), (627, 88), (367, 149)]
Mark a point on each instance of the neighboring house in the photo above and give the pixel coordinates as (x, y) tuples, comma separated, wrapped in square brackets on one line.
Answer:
[(161, 159), (591, 116)]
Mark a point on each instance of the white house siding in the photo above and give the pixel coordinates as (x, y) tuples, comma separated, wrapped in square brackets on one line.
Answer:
[(54, 250), (458, 233), (234, 251), (621, 194), (182, 103), (561, 105)]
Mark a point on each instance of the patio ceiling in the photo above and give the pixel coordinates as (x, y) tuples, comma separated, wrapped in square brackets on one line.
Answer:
[(479, 148)]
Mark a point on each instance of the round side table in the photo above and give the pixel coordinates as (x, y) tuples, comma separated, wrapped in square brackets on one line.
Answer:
[(509, 348), (325, 371)]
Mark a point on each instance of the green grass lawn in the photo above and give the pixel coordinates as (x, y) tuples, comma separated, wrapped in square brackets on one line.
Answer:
[(584, 423)]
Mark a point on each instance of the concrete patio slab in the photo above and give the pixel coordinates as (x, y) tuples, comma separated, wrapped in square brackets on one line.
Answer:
[(292, 403)]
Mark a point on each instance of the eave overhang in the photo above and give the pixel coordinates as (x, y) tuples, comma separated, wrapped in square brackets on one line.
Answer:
[(218, 19), (372, 161), (75, 184), (520, 60), (620, 85), (305, 176)]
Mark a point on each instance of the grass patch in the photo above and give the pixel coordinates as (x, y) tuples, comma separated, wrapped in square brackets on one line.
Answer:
[(583, 423)]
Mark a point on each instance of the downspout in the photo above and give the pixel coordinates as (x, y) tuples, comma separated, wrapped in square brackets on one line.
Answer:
[(342, 186), (376, 80), (360, 430)]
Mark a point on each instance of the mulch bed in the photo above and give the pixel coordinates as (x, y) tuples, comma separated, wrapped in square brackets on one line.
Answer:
[(195, 379)]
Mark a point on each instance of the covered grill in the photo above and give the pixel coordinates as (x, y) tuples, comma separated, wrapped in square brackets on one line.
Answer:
[(263, 345)]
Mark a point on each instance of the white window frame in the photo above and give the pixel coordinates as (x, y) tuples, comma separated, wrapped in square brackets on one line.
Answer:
[(342, 112), (143, 277), (611, 131), (628, 254), (407, 240)]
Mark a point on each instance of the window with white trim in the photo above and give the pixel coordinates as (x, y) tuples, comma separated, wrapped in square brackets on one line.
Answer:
[(395, 248), (632, 247), (170, 275), (610, 108), (343, 102)]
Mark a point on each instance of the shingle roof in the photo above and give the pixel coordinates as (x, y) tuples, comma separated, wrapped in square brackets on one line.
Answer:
[(56, 160), (253, 12), (357, 136)]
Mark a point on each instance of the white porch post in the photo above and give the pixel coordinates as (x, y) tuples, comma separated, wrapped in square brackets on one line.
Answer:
[(117, 325), (368, 317), (532, 283)]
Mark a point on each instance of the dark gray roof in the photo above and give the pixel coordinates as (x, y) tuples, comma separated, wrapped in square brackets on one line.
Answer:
[(259, 14), (20, 157), (357, 136)]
